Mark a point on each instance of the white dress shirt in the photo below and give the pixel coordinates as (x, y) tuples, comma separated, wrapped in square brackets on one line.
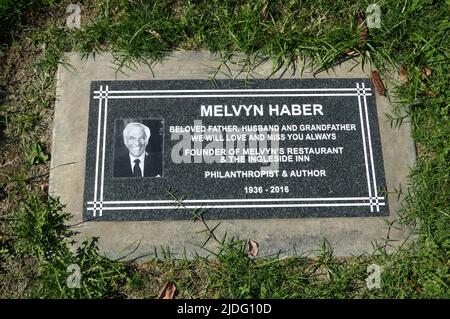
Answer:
[(141, 162)]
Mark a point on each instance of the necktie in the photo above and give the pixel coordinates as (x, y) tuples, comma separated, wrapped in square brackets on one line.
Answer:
[(136, 169)]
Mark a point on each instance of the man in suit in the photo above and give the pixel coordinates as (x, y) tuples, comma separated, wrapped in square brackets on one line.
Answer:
[(137, 162)]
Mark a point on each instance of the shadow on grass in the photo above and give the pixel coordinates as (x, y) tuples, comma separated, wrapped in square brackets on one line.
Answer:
[(2, 119), (2, 137)]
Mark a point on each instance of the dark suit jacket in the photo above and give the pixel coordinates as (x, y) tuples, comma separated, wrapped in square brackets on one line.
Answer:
[(152, 165)]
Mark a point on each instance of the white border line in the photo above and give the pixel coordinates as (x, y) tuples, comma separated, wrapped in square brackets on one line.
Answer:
[(104, 147), (235, 206), (238, 200), (223, 95), (364, 147), (98, 148), (230, 90), (370, 148)]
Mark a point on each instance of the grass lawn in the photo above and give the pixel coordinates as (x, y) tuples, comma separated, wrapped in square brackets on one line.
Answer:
[(413, 39)]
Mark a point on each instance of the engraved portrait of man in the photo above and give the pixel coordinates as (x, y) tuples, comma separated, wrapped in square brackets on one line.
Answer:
[(137, 161)]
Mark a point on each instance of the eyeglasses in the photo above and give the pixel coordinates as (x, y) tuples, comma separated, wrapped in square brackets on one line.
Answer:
[(132, 139)]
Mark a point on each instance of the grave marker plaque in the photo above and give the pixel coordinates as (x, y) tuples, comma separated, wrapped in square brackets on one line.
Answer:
[(255, 149)]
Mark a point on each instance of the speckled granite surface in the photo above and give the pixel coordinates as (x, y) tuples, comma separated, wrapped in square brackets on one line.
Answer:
[(315, 185)]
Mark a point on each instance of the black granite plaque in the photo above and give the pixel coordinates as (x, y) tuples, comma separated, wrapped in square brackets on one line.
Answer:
[(253, 149)]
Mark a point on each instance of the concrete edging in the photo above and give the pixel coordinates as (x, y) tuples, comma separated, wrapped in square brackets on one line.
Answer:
[(347, 235)]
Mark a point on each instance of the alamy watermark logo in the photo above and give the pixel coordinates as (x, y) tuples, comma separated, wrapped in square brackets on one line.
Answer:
[(74, 278), (374, 279), (73, 21), (227, 144), (373, 16)]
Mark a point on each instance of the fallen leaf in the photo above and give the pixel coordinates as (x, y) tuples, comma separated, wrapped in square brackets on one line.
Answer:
[(265, 10), (404, 74), (363, 34), (154, 33), (379, 87), (253, 248), (427, 72), (351, 53), (44, 187), (167, 291)]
